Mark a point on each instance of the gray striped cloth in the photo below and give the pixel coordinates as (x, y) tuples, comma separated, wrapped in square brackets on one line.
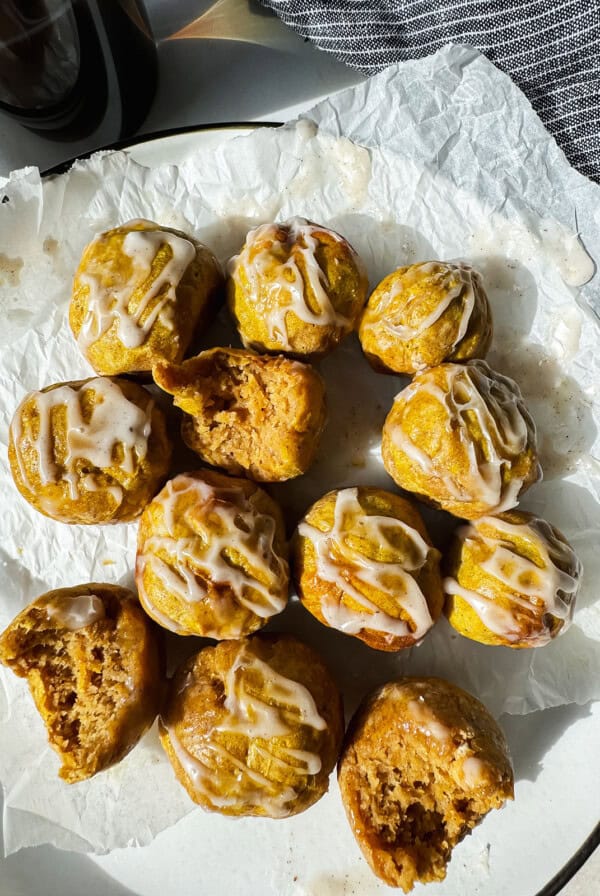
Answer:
[(550, 48)]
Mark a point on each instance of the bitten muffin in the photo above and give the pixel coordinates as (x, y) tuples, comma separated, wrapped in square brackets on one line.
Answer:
[(257, 416), (254, 727), (141, 293), (422, 764), (93, 663), (512, 580), (296, 287), (364, 564), (93, 451), (424, 314), (461, 438), (212, 556)]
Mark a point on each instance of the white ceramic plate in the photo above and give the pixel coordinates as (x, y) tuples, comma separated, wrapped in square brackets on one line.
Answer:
[(531, 848)]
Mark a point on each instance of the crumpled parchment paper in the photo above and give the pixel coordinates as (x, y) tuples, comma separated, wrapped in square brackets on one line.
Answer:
[(440, 158)]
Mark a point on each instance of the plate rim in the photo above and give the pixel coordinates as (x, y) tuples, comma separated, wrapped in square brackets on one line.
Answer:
[(162, 134), (562, 877)]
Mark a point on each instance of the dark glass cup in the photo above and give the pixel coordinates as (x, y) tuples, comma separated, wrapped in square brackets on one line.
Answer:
[(71, 67)]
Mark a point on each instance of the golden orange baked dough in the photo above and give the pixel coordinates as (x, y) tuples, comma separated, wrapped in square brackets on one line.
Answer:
[(92, 451), (93, 663), (141, 293), (512, 580), (249, 414), (296, 287), (364, 564), (422, 764), (254, 727), (461, 438), (424, 314), (212, 556)]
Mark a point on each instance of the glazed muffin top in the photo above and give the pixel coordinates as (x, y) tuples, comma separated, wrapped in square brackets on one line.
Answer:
[(139, 294), (92, 451), (254, 727), (296, 287), (461, 436), (212, 556), (512, 580), (364, 564), (424, 314)]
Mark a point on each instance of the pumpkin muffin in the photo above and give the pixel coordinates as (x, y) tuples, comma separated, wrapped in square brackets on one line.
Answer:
[(141, 293), (93, 663), (424, 314), (254, 727), (92, 451), (252, 415), (212, 556), (422, 764), (461, 438), (364, 564), (296, 287), (512, 580)]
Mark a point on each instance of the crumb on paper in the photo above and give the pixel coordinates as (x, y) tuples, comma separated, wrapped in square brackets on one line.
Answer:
[(10, 270), (484, 858), (50, 245), (107, 562)]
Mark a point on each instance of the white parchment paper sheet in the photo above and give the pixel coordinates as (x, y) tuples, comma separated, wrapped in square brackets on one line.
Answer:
[(440, 158)]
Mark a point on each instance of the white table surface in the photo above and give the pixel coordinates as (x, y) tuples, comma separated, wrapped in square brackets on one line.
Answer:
[(223, 82)]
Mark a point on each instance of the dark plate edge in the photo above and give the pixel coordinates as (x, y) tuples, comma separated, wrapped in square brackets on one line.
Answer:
[(569, 869), (63, 167), (591, 843)]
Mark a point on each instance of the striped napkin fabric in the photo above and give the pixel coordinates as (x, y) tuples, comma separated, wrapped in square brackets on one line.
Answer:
[(550, 48)]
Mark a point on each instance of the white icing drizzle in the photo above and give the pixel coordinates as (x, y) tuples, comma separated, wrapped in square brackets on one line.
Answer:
[(338, 562), (473, 770), (451, 281), (75, 611), (254, 716), (106, 305), (496, 618), (90, 485), (505, 426), (219, 519), (261, 704), (280, 287), (309, 763), (427, 721), (115, 420), (546, 588), (241, 785)]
